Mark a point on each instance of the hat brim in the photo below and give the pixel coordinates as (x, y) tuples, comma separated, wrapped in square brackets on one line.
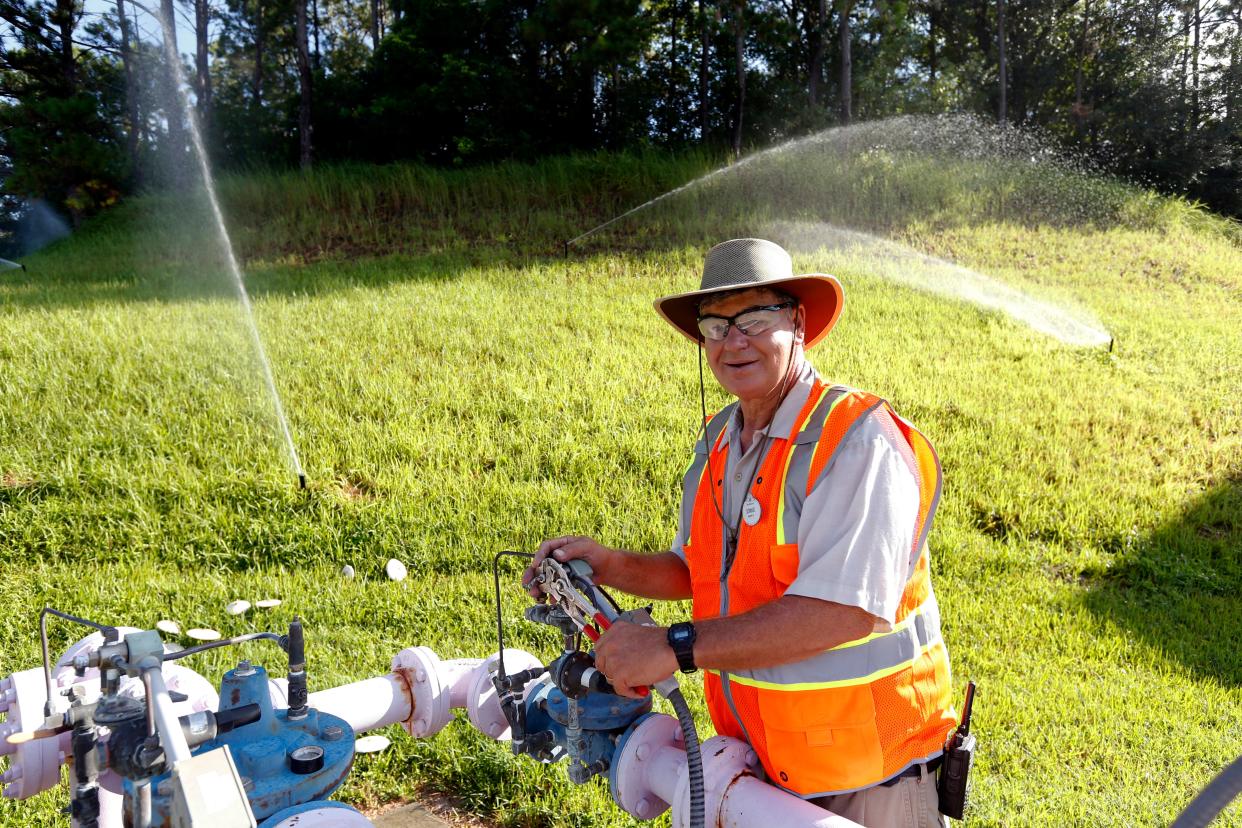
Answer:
[(819, 293)]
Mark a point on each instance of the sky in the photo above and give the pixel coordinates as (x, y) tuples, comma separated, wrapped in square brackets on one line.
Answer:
[(147, 24)]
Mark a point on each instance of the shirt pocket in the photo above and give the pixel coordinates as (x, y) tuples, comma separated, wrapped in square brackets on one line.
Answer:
[(821, 740), (784, 561)]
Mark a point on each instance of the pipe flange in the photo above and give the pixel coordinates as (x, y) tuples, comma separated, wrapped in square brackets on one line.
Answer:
[(725, 760), (482, 703), (430, 708), (34, 765), (638, 746)]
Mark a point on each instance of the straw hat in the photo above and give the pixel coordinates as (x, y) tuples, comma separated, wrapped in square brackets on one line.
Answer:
[(756, 263)]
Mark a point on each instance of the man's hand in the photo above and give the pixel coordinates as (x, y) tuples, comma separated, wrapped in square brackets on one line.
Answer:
[(566, 549), (634, 656)]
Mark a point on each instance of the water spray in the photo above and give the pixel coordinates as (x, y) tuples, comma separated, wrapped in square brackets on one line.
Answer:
[(5, 264), (903, 265), (200, 152)]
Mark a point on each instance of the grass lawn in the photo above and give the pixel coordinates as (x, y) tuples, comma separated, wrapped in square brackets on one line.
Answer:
[(455, 387)]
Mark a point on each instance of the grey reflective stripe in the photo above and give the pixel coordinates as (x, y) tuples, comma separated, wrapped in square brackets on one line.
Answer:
[(702, 449), (855, 663), (858, 421), (935, 501), (800, 462)]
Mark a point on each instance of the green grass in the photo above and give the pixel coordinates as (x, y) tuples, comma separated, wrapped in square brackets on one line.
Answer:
[(455, 389)]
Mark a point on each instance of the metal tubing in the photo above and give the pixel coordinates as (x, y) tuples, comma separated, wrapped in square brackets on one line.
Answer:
[(171, 738)]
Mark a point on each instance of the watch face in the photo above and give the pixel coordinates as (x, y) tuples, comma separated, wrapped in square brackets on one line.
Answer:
[(681, 634)]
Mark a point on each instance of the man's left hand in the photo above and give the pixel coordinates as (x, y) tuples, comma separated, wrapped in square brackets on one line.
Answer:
[(634, 656)]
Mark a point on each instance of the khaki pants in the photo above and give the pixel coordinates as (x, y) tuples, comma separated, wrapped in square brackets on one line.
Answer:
[(910, 803)]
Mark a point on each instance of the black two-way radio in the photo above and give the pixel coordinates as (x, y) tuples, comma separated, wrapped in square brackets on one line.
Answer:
[(959, 752)]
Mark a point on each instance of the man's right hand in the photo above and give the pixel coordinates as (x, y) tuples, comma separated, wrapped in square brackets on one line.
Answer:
[(568, 548)]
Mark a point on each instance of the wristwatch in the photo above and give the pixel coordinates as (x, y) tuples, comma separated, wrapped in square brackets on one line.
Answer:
[(681, 638)]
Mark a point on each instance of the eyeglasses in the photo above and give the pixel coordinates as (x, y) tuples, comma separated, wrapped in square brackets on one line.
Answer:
[(752, 321)]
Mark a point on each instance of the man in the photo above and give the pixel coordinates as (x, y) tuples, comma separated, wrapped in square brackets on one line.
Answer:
[(802, 542)]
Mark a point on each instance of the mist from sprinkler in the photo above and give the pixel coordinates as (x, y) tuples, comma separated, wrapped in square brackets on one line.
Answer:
[(178, 81), (897, 263), (771, 182)]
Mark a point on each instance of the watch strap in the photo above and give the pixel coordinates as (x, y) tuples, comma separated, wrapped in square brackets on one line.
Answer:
[(681, 638)]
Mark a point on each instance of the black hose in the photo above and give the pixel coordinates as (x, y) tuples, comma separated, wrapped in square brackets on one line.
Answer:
[(694, 757), (1213, 799)]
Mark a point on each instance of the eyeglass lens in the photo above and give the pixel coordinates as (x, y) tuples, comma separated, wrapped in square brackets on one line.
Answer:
[(752, 322)]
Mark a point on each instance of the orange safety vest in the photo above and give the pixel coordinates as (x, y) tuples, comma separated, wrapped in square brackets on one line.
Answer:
[(861, 712)]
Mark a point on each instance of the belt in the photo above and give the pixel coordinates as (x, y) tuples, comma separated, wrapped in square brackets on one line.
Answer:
[(914, 770)]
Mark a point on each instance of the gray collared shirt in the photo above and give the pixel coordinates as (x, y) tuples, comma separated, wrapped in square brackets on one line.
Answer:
[(857, 525)]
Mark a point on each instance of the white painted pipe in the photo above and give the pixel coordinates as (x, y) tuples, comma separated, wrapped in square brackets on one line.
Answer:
[(368, 704), (750, 801), (651, 775), (325, 817), (172, 739)]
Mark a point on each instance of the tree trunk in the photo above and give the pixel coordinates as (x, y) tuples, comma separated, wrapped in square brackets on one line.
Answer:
[(933, 21), (375, 24), (1002, 114), (304, 86), (315, 21), (173, 109), (1197, 16), (739, 46), (673, 63), (202, 85), (259, 30), (1185, 60), (817, 11), (1235, 74), (65, 19), (847, 65), (704, 43), (131, 96), (1080, 107)]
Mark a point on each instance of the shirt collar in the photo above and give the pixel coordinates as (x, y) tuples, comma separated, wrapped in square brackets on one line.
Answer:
[(787, 412)]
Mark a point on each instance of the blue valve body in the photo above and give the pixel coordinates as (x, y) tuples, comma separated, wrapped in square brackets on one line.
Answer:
[(262, 751), (602, 717)]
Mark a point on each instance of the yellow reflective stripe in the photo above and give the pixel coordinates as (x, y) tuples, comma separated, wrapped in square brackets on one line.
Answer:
[(898, 627), (780, 503), (829, 685)]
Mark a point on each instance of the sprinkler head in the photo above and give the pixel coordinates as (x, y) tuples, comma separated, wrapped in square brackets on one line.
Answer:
[(301, 481)]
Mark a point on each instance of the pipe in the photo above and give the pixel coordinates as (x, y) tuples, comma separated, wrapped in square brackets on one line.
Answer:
[(171, 738), (650, 774), (366, 705)]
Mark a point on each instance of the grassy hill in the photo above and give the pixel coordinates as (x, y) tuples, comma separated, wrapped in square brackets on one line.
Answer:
[(457, 386)]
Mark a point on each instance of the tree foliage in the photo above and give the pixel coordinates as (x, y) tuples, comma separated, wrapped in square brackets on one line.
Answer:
[(1150, 88)]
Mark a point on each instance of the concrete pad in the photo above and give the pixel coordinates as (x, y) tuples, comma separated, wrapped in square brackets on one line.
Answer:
[(412, 815)]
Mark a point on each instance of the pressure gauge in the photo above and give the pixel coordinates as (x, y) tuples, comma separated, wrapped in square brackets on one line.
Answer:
[(306, 759)]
